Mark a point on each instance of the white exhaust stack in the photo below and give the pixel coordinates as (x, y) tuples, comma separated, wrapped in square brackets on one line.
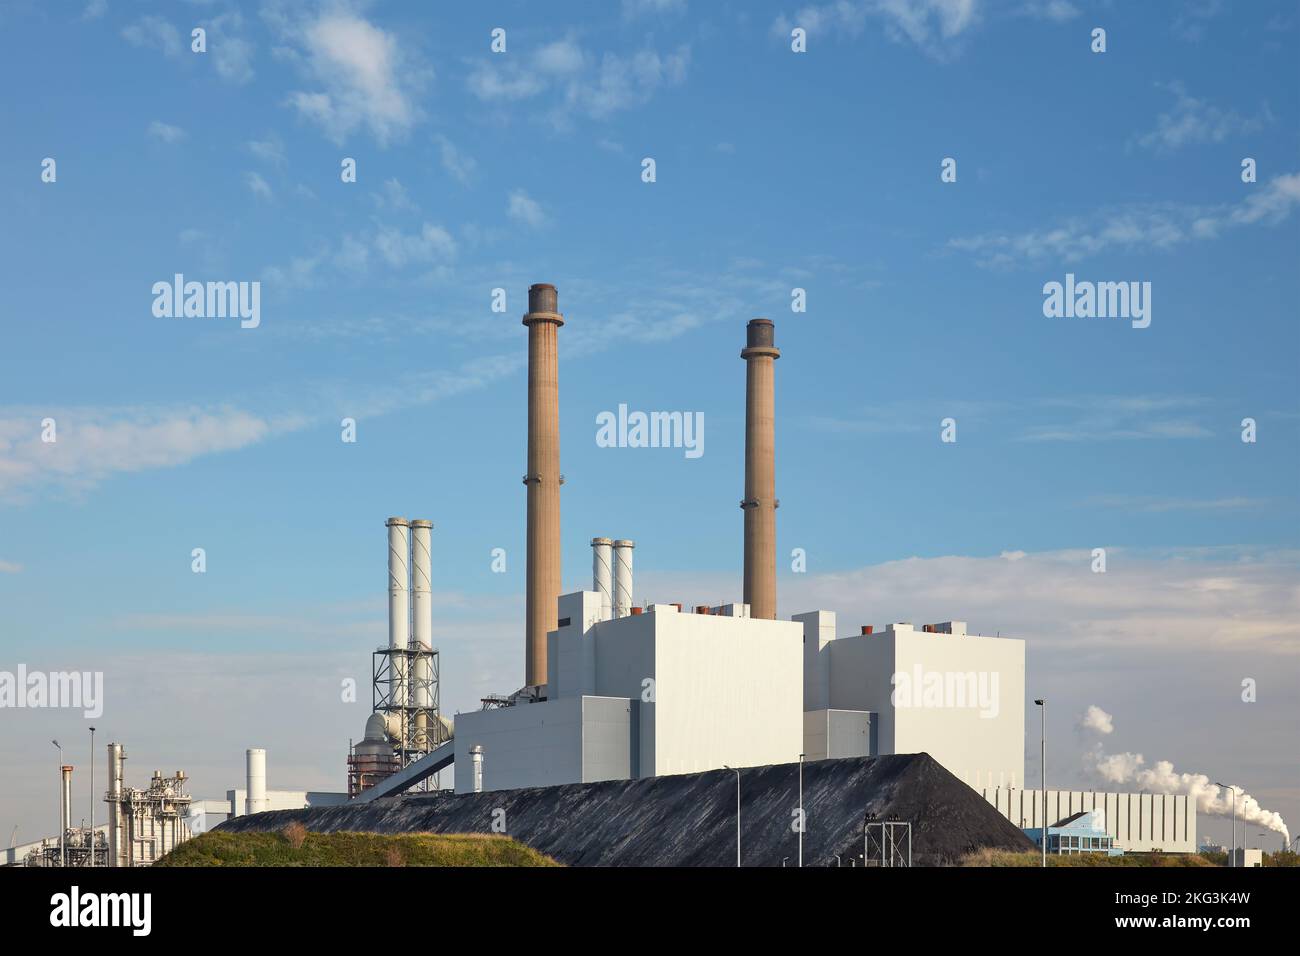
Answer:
[(399, 605), (255, 796), (476, 756), (602, 572), (422, 624), (623, 577), (65, 802), (116, 754)]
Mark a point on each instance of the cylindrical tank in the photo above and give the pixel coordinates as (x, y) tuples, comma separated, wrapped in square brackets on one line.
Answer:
[(623, 577), (399, 605), (255, 798), (602, 574)]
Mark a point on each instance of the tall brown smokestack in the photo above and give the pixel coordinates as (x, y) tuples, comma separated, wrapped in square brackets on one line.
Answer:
[(543, 478), (760, 502)]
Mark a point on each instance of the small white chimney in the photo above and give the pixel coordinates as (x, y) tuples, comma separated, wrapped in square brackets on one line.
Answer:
[(623, 577), (255, 795), (476, 756), (602, 574)]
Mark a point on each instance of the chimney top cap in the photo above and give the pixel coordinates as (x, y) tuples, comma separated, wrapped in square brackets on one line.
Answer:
[(397, 522), (421, 523), (596, 541), (543, 304), (624, 543), (760, 339)]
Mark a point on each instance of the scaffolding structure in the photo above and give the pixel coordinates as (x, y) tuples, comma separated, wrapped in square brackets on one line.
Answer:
[(886, 842), (405, 689)]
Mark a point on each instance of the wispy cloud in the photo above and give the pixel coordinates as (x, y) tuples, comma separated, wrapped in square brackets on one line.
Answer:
[(934, 26), (258, 186), (165, 132), (94, 444), (10, 567), (579, 82), (1194, 121), (1133, 227), (269, 150), (525, 210), (154, 33), (1156, 504), (457, 163)]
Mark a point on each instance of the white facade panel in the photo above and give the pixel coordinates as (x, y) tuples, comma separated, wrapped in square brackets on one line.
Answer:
[(1139, 822), (957, 697)]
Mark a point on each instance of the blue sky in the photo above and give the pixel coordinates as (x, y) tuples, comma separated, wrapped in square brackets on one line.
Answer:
[(775, 170)]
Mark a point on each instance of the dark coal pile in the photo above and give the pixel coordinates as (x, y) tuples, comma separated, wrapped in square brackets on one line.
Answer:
[(690, 819)]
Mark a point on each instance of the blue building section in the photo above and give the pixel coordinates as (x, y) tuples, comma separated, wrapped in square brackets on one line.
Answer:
[(1085, 832)]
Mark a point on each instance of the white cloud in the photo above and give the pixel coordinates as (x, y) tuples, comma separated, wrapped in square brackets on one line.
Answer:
[(10, 567), (1198, 121), (154, 33), (367, 80), (258, 186), (525, 210), (95, 9), (1097, 720), (165, 132), (1144, 226)]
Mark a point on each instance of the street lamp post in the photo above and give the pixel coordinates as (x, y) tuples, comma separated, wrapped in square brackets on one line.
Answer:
[(1232, 854), (802, 819), (63, 853), (737, 773), (1042, 753), (92, 796)]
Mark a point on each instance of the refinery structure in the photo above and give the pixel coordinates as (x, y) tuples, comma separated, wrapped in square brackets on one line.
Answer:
[(613, 690)]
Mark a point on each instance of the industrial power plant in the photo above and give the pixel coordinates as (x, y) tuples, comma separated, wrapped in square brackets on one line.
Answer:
[(905, 741)]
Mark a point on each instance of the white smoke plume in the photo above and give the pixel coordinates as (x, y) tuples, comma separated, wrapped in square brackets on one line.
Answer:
[(1160, 777)]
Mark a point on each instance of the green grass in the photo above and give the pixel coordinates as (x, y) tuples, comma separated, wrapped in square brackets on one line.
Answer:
[(353, 849), (1004, 858)]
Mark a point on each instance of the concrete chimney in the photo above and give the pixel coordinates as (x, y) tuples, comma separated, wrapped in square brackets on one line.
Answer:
[(623, 577), (255, 789), (399, 605), (421, 626), (760, 501), (602, 574), (543, 478)]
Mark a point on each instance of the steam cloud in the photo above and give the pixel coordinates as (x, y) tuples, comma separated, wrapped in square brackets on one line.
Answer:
[(1160, 777)]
